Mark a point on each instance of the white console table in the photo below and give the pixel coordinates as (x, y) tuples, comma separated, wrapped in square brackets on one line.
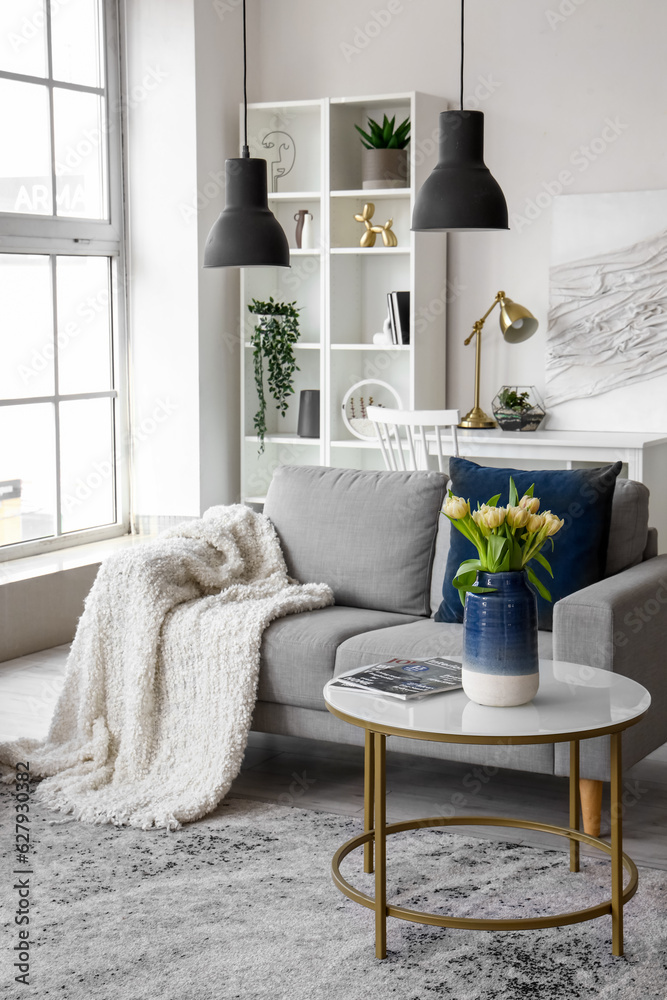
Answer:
[(645, 456)]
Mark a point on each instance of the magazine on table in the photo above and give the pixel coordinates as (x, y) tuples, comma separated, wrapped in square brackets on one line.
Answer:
[(404, 679)]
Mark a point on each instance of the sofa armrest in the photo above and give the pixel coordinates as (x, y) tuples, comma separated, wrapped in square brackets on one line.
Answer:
[(619, 624)]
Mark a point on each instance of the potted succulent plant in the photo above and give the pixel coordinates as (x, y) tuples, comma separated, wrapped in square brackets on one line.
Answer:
[(274, 363), (385, 160), (518, 408)]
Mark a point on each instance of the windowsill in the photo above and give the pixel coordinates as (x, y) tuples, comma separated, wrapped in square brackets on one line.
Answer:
[(45, 563)]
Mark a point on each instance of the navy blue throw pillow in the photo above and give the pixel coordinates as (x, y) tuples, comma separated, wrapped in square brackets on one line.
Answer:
[(582, 497)]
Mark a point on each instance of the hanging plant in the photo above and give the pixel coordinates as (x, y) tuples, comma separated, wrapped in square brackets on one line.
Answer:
[(273, 340)]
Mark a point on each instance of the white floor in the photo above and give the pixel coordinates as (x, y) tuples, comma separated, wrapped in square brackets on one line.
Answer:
[(329, 777)]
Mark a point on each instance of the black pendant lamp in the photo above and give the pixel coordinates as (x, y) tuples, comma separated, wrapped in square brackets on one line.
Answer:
[(460, 195), (246, 234)]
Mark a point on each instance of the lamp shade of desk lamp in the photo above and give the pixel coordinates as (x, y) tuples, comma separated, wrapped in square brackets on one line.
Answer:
[(516, 322)]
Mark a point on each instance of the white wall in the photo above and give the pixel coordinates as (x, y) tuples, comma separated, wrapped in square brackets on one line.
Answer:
[(183, 86), (550, 73)]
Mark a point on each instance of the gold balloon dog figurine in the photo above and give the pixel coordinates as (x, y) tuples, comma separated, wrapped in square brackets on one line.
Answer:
[(368, 238), (388, 235)]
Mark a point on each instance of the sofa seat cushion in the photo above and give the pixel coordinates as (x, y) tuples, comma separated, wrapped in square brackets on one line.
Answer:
[(298, 651), (416, 641), (369, 535)]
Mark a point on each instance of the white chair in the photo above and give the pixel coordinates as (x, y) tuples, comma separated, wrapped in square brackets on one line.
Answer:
[(416, 431)]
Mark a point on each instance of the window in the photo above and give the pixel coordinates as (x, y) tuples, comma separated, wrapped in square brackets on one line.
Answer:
[(62, 385)]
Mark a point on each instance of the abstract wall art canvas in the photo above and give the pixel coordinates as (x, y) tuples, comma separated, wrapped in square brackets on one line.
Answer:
[(606, 362)]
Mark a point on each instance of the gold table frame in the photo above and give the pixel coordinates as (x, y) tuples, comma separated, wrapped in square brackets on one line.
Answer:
[(376, 831)]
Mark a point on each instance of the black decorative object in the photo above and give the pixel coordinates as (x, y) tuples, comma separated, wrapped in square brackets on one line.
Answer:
[(246, 234), (309, 414), (518, 408), (460, 195)]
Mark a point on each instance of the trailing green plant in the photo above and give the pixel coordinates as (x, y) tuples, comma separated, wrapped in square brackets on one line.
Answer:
[(517, 401), (385, 136), (272, 341)]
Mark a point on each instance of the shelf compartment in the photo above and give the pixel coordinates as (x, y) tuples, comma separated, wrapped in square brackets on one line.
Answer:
[(288, 137), (282, 428), (351, 367), (366, 278), (284, 210), (300, 284), (346, 231), (279, 449), (345, 141)]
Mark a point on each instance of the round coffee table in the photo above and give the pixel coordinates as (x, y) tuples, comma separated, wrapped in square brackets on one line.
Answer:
[(574, 702)]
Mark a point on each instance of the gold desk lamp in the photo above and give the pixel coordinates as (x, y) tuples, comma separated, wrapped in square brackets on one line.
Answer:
[(517, 324)]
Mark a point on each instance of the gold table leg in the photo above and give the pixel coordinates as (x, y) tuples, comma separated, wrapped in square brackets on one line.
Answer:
[(616, 846), (575, 803), (380, 846), (369, 794)]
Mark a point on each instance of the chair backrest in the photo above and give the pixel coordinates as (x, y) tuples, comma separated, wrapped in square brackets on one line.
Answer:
[(419, 432)]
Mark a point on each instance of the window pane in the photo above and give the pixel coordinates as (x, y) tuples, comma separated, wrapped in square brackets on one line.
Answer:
[(27, 472), (25, 151), (26, 326), (80, 155), (23, 37), (84, 324), (86, 464), (76, 42)]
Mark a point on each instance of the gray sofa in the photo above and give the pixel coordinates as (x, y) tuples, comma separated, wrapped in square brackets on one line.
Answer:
[(378, 540)]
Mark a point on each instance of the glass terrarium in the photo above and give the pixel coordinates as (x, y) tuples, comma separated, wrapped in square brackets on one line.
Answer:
[(518, 408)]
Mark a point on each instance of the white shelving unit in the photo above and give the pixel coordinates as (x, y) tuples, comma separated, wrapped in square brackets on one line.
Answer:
[(341, 287)]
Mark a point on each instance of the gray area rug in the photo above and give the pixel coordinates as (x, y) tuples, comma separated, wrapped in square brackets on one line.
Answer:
[(241, 905)]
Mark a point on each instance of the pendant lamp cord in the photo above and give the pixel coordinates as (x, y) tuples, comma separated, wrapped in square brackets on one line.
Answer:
[(246, 151), (462, 50)]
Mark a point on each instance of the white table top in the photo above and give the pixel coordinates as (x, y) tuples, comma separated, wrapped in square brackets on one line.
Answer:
[(570, 439), (572, 700)]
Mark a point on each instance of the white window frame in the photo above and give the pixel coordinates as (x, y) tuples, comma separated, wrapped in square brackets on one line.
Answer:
[(35, 234)]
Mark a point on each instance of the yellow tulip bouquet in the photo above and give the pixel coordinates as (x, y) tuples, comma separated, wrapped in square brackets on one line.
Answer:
[(506, 538)]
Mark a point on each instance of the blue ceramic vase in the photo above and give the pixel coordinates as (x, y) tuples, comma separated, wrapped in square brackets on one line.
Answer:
[(500, 657)]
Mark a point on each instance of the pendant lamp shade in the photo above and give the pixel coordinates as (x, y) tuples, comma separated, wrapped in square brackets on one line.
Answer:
[(246, 234), (460, 194)]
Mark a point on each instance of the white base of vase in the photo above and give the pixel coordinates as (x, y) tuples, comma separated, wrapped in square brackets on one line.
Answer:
[(500, 690)]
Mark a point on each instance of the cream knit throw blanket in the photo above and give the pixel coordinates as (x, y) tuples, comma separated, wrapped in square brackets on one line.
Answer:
[(152, 723)]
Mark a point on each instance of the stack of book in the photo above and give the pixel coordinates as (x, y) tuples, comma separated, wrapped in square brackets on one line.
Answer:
[(399, 316), (404, 678)]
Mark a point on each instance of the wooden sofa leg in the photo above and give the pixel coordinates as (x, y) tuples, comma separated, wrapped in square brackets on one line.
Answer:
[(590, 791)]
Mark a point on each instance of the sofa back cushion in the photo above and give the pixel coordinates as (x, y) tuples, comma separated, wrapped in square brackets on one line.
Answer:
[(628, 532), (369, 535)]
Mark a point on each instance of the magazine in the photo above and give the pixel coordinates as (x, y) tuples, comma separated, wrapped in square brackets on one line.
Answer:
[(404, 678)]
